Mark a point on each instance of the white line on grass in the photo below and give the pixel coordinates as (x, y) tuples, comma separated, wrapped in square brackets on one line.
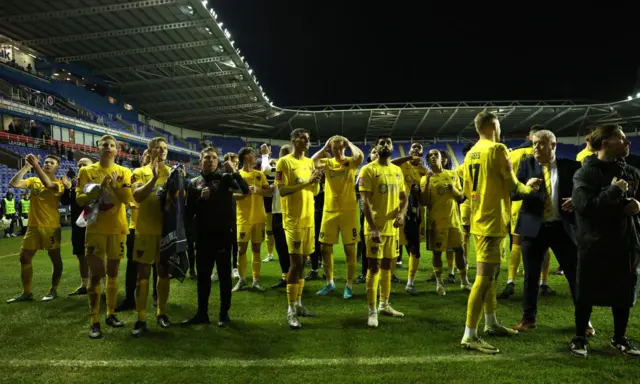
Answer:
[(275, 363), (17, 254)]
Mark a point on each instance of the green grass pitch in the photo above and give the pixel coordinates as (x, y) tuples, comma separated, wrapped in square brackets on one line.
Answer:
[(47, 342)]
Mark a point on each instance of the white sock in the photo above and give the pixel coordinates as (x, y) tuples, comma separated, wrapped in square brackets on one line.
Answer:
[(256, 282), (590, 326), (330, 282), (452, 271), (439, 281), (410, 282), (384, 303), (544, 282), (510, 281), (292, 309), (299, 303), (471, 332), (85, 282), (490, 319), (372, 310)]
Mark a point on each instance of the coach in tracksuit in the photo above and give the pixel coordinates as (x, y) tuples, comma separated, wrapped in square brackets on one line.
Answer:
[(210, 206)]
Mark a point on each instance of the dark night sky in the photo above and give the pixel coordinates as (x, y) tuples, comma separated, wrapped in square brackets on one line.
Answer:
[(308, 52)]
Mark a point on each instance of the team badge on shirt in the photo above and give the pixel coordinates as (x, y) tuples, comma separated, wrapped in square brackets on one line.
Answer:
[(383, 188)]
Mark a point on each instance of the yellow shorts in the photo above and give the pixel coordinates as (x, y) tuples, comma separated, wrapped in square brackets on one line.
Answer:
[(514, 221), (389, 248), (301, 241), (41, 238), (269, 224), (344, 224), (465, 212), (146, 249), (109, 247), (488, 249), (250, 233), (443, 239)]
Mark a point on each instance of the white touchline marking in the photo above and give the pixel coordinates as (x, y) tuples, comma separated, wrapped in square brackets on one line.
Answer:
[(17, 254), (463, 356)]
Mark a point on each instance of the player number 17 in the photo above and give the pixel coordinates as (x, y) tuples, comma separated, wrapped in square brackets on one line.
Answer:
[(474, 170)]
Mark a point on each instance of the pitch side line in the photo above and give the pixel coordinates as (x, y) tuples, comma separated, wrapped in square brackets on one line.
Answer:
[(17, 254), (463, 356)]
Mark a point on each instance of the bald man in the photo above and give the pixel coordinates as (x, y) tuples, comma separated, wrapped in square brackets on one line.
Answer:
[(78, 233)]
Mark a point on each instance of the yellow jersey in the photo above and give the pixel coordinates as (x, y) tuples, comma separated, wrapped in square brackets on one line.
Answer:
[(43, 212), (488, 182), (133, 218), (586, 152), (250, 210), (340, 185), (412, 174), (516, 156), (149, 220), (298, 207), (112, 217), (385, 183), (443, 206)]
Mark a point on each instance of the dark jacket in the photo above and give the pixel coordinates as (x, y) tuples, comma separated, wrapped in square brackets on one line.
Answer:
[(413, 220), (173, 244), (608, 240), (216, 215), (531, 215)]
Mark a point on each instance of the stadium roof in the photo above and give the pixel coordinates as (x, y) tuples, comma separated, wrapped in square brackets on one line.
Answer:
[(177, 62)]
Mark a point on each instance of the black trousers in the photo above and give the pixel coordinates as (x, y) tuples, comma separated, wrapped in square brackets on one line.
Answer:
[(554, 236), (620, 319), (78, 235), (234, 249), (280, 242), (316, 256), (191, 254), (362, 247), (214, 249), (131, 273)]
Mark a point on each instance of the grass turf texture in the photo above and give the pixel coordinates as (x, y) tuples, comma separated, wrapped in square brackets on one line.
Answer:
[(47, 342)]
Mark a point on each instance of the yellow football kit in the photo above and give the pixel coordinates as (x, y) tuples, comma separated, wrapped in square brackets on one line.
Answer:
[(385, 183), (586, 152), (443, 223), (43, 231), (149, 216), (297, 208), (516, 156), (340, 216), (250, 212)]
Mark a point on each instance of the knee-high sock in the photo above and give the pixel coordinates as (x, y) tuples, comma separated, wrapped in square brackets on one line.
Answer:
[(480, 289), (514, 261), (352, 262), (490, 299), (142, 293), (300, 289), (270, 244), (327, 263), (544, 275), (372, 288), (26, 274), (385, 285), (450, 257), (242, 264), (466, 239), (255, 265), (163, 287), (112, 295), (414, 263), (292, 294), (94, 303)]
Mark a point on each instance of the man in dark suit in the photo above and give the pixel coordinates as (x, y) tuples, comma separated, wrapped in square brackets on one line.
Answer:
[(546, 220)]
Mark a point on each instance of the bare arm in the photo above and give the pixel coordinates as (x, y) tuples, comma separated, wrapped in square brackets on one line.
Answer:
[(17, 180), (35, 163), (365, 196), (358, 155)]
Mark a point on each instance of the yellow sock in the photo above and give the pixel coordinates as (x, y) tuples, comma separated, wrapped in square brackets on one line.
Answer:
[(476, 300), (463, 274), (352, 261), (372, 288), (255, 266), (327, 264), (112, 295), (466, 239), (141, 298), (490, 298), (94, 303), (300, 289), (437, 271), (270, 244), (514, 261), (242, 265), (26, 274), (385, 285), (450, 257), (414, 263), (544, 276), (284, 276), (292, 294), (163, 287)]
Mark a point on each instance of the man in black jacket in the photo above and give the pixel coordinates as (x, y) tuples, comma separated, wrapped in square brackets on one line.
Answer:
[(545, 220), (605, 197), (78, 233), (210, 206)]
